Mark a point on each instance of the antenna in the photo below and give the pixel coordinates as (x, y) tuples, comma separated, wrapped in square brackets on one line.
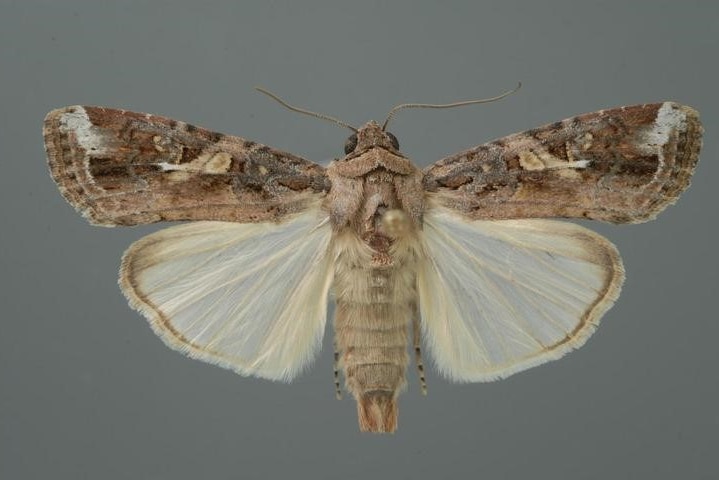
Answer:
[(446, 105), (303, 111)]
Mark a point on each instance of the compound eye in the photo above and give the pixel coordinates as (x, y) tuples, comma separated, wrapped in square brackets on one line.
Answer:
[(351, 144), (393, 140)]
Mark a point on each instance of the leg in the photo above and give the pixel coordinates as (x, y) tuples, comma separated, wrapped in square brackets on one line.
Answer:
[(338, 392), (418, 353)]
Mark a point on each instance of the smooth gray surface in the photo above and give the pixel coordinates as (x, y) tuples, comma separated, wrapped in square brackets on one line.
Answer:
[(88, 391)]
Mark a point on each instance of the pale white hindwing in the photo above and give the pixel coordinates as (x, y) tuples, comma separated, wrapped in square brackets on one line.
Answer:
[(498, 297), (248, 297)]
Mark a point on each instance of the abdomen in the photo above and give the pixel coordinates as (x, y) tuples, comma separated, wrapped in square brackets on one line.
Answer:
[(375, 295)]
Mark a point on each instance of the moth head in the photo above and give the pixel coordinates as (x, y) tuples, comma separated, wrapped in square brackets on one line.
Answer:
[(371, 135)]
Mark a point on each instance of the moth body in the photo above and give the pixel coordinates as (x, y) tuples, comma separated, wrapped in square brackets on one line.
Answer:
[(376, 249)]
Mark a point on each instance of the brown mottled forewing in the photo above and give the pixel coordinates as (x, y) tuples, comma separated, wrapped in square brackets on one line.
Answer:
[(123, 168), (620, 165)]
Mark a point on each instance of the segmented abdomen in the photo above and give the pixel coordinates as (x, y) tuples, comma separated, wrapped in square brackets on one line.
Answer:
[(372, 321)]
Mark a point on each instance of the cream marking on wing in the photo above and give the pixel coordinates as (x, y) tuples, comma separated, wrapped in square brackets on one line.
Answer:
[(532, 161), (157, 139), (213, 163), (179, 176)]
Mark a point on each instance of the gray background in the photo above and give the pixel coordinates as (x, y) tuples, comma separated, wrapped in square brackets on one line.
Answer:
[(88, 391)]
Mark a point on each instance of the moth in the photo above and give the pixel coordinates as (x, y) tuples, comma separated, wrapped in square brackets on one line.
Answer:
[(459, 258)]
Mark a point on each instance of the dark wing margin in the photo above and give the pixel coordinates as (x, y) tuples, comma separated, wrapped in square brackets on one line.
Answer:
[(623, 165), (124, 168)]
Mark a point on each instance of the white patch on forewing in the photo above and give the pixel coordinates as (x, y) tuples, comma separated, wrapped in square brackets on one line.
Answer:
[(170, 167), (88, 136), (669, 119), (569, 169), (579, 164)]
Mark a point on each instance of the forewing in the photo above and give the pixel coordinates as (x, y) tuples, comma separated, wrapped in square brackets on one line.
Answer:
[(620, 165), (123, 168), (498, 297), (248, 297)]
